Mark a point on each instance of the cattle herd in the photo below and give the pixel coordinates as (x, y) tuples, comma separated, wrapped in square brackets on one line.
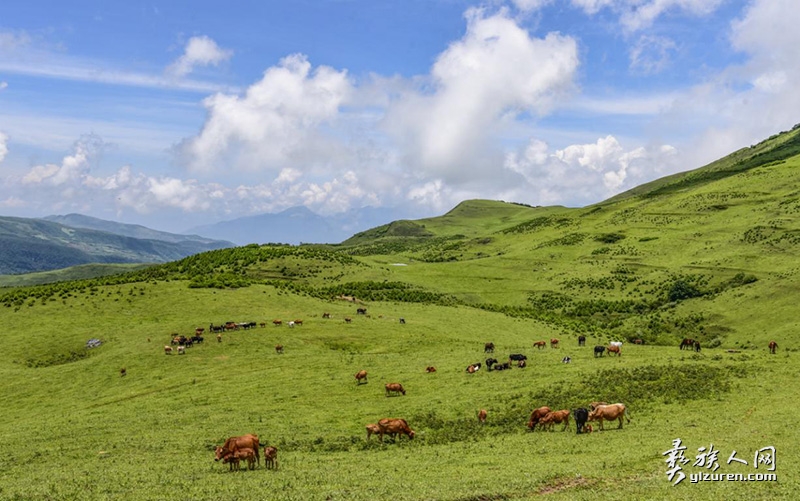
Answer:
[(247, 447)]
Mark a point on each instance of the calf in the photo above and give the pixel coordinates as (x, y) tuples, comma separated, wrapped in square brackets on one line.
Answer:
[(555, 417), (394, 388), (598, 351), (271, 458), (247, 454)]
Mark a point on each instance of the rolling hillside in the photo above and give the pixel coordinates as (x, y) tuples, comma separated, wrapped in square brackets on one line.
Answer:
[(714, 259), (32, 245)]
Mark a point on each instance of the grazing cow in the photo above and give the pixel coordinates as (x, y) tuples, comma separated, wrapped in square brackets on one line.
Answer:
[(181, 350), (361, 311), (773, 346), (566, 360), (395, 426), (276, 323), (502, 367), (488, 348), (522, 364), (473, 368), (598, 350), (231, 326), (291, 324), (347, 320), (279, 348), (199, 331), (430, 369), (581, 415), (361, 375), (540, 344), (555, 417), (394, 388), (326, 315), (687, 343), (614, 349), (262, 324), (554, 343), (197, 339), (298, 322), (167, 349), (233, 444), (638, 341), (609, 413), (536, 416), (123, 372), (232, 461), (402, 320), (270, 457), (516, 357), (372, 429), (581, 340), (219, 338), (482, 416), (490, 362)]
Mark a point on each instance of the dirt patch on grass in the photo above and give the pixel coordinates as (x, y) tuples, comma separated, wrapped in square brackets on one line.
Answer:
[(562, 483)]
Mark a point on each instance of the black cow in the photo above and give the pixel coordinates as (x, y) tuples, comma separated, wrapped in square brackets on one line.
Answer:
[(697, 346), (197, 339), (566, 360), (581, 340), (581, 415), (402, 320), (502, 367), (490, 362), (598, 350), (516, 357), (361, 311)]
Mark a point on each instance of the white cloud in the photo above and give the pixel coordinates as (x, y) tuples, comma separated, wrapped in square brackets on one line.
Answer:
[(530, 5), (637, 15), (586, 173), (199, 51), (651, 54), (496, 71), (274, 121), (73, 168), (3, 146)]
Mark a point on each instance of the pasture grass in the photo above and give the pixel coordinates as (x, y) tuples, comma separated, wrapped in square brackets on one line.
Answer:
[(150, 434)]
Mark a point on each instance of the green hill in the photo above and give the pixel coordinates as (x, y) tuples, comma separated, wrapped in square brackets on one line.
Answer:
[(708, 256)]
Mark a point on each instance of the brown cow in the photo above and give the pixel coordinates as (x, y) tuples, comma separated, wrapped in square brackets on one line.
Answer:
[(394, 426), (638, 341), (394, 388), (554, 343), (372, 429), (430, 369), (298, 322), (361, 375), (276, 322), (488, 348), (614, 349), (245, 453), (536, 415), (167, 349), (123, 372), (482, 415), (540, 344), (270, 457), (279, 348), (262, 324), (219, 338), (773, 346), (609, 413), (347, 320), (555, 417), (235, 443)]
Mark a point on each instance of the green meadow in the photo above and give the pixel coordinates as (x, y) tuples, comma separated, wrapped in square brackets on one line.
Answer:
[(711, 255)]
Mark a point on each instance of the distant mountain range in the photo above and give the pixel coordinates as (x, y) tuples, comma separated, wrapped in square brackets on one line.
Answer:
[(298, 225), (31, 245)]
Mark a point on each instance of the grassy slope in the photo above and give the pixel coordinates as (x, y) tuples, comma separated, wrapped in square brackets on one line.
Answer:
[(150, 435), (79, 272)]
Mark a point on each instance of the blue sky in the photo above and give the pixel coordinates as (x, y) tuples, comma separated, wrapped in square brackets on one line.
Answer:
[(182, 113)]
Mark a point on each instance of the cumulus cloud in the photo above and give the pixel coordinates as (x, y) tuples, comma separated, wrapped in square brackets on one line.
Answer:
[(274, 121), (72, 169), (199, 51), (586, 173), (636, 15), (495, 72)]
